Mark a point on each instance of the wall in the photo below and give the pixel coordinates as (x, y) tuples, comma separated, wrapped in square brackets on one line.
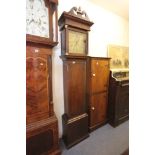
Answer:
[(108, 28)]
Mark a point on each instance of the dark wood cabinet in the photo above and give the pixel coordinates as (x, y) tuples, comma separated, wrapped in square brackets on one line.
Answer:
[(97, 90), (75, 118), (118, 109)]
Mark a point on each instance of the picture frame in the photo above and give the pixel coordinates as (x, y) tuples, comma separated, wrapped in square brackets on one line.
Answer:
[(119, 56)]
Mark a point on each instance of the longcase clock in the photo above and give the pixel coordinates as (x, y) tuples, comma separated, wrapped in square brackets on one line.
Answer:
[(41, 36), (74, 26)]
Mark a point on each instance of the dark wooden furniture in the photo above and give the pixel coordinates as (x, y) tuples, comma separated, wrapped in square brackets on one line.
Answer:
[(74, 26), (41, 122), (118, 109), (97, 96), (75, 118)]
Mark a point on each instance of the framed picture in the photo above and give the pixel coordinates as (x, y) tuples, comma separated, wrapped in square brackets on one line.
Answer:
[(119, 56)]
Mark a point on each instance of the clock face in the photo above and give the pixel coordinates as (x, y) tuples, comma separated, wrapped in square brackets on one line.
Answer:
[(37, 18), (77, 42)]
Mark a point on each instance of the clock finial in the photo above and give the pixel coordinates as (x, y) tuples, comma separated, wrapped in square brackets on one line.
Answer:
[(78, 12)]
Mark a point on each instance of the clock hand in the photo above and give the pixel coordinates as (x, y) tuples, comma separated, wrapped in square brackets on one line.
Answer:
[(75, 45), (39, 22), (32, 20)]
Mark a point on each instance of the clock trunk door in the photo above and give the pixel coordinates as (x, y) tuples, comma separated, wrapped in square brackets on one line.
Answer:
[(75, 87), (38, 85)]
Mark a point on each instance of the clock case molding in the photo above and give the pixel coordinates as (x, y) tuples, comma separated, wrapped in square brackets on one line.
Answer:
[(52, 10), (74, 20)]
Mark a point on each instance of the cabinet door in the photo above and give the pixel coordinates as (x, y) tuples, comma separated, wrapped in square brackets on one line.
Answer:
[(98, 108), (38, 84), (75, 87), (99, 75), (123, 107)]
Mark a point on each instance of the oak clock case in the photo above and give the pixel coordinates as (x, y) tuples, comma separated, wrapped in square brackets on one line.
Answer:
[(74, 48), (41, 122)]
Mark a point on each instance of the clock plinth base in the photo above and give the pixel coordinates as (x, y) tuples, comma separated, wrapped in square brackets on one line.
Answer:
[(42, 137), (75, 129)]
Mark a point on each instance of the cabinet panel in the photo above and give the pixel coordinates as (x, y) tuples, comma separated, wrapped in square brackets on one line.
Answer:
[(98, 82), (40, 143), (75, 87), (42, 137), (38, 84), (37, 81), (99, 75), (98, 108), (123, 107)]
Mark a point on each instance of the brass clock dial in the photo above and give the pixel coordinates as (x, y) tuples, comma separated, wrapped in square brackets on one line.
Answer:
[(77, 42), (37, 18)]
